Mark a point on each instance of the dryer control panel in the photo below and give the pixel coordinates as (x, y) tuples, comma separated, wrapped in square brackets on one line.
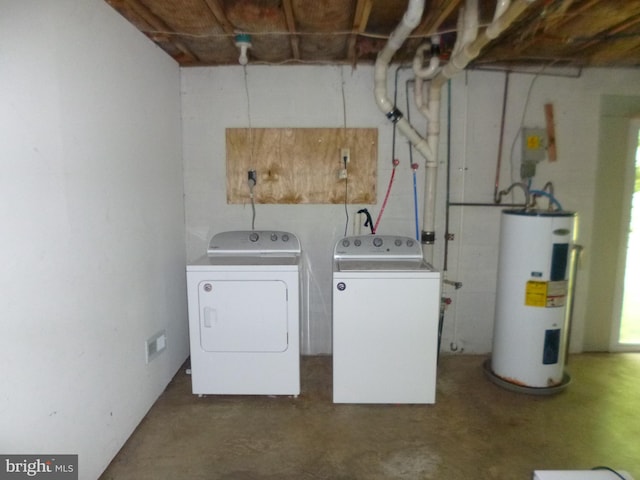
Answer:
[(254, 242), (377, 247)]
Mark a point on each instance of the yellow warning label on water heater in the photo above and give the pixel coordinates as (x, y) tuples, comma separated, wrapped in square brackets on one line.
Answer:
[(546, 294), (536, 294)]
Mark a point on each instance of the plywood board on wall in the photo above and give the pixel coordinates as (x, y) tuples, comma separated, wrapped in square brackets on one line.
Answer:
[(302, 165)]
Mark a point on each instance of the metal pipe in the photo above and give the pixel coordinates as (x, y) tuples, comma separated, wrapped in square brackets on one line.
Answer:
[(524, 188), (576, 250), (499, 161), (448, 182)]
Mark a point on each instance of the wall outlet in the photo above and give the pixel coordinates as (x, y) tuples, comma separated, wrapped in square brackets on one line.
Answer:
[(345, 156), (155, 345)]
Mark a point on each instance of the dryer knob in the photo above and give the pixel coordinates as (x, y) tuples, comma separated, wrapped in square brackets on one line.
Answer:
[(410, 243), (398, 242), (346, 243), (285, 238), (357, 242), (274, 237), (254, 237), (377, 242)]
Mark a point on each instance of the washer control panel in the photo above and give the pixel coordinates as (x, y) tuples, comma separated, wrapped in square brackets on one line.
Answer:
[(377, 246), (253, 242)]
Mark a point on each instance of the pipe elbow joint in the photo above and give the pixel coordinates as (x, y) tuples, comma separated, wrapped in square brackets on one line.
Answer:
[(418, 59)]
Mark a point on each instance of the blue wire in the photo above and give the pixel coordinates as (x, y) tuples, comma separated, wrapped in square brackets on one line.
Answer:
[(542, 193), (415, 205)]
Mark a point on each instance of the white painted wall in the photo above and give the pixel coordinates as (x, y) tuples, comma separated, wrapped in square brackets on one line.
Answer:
[(216, 98), (92, 222)]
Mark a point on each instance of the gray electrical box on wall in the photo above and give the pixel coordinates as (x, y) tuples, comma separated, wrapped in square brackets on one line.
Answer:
[(534, 150)]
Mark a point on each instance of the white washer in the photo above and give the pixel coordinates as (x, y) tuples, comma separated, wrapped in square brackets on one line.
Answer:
[(386, 304), (244, 315)]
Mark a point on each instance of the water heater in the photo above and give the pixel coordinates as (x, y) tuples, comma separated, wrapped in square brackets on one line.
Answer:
[(532, 296)]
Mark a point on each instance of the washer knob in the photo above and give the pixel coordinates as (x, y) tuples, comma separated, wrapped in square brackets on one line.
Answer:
[(357, 242), (398, 242), (253, 237), (410, 243), (285, 237), (274, 237), (346, 243), (377, 242)]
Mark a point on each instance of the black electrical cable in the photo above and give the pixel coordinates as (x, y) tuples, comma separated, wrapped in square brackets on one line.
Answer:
[(608, 469), (346, 178), (369, 221)]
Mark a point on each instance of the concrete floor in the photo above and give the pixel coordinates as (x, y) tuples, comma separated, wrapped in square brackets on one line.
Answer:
[(476, 430)]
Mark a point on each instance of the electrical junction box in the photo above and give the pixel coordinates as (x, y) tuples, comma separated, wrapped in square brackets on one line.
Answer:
[(579, 475), (534, 150)]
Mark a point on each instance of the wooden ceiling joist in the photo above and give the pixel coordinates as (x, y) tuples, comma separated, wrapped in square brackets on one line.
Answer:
[(218, 12), (291, 27), (436, 16), (158, 24), (202, 32), (360, 20)]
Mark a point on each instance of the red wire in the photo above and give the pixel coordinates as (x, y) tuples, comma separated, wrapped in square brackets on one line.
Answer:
[(386, 197)]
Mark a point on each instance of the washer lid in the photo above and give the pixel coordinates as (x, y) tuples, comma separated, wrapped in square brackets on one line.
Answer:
[(254, 242)]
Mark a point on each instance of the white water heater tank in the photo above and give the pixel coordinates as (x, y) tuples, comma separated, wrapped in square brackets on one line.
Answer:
[(530, 329)]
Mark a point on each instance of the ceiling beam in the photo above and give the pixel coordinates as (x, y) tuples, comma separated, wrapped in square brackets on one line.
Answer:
[(556, 20), (610, 33), (158, 24), (218, 12), (291, 26), (436, 16), (360, 20)]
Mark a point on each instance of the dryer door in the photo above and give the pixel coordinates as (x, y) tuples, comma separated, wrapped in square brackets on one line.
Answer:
[(243, 315)]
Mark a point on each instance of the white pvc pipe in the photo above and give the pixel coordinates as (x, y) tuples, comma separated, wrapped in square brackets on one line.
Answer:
[(501, 7), (470, 23), (409, 22), (468, 46), (418, 58), (468, 52), (418, 96), (433, 136)]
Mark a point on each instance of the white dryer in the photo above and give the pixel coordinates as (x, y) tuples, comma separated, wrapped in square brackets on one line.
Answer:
[(386, 304), (244, 315)]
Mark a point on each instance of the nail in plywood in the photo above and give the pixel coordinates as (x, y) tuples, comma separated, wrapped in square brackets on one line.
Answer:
[(302, 165)]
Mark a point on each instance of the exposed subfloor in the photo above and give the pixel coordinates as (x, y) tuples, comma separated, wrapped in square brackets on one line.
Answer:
[(476, 430)]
